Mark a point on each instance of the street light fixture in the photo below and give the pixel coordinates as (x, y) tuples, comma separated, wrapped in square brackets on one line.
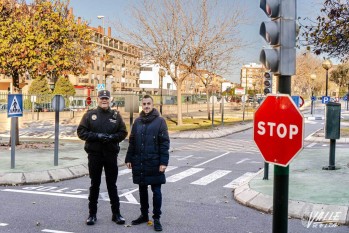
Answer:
[(327, 64), (161, 76), (313, 77)]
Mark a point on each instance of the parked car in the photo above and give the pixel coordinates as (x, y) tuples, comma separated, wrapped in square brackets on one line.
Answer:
[(43, 107), (3, 107)]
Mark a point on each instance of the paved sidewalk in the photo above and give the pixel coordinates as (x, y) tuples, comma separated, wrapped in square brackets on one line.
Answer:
[(311, 189)]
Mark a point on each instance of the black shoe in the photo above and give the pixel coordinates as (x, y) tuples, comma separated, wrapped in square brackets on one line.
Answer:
[(92, 219), (140, 219), (118, 219), (157, 225)]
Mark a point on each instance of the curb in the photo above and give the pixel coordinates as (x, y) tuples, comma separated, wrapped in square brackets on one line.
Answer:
[(296, 209)]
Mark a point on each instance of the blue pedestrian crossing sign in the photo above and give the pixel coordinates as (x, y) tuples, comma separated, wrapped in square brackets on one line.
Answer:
[(15, 105), (313, 98), (100, 86)]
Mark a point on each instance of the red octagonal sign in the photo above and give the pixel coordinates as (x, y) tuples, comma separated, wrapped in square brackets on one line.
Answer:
[(278, 129)]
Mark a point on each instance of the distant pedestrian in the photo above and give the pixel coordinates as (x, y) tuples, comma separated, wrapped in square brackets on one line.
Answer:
[(103, 129), (148, 157)]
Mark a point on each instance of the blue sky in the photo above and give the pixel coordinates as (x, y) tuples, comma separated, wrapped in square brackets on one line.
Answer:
[(112, 9)]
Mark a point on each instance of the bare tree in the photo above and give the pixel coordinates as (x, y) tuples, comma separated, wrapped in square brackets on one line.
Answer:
[(184, 36), (307, 65)]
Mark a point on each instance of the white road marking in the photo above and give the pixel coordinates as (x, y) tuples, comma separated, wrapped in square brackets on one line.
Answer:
[(184, 174), (54, 231), (242, 160), (124, 172), (240, 180), (170, 168), (3, 224), (198, 165), (211, 177), (82, 196), (186, 157), (311, 144)]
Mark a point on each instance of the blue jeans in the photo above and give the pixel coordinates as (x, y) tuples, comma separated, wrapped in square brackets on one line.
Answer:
[(157, 200)]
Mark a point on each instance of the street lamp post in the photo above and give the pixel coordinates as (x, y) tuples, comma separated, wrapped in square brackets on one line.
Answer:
[(161, 76), (347, 95), (327, 64), (313, 77)]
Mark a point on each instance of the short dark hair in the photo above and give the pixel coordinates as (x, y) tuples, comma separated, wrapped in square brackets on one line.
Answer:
[(148, 97)]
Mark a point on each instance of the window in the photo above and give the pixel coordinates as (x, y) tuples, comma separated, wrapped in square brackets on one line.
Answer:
[(145, 81), (146, 69)]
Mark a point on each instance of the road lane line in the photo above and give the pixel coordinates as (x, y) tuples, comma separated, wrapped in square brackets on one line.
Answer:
[(170, 168), (3, 224), (242, 160), (186, 157), (54, 231), (184, 174), (211, 177), (198, 165)]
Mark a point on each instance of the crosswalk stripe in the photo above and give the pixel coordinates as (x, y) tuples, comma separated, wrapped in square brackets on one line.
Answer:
[(124, 172), (184, 174), (3, 224), (311, 144), (54, 231), (170, 168), (240, 180), (211, 177)]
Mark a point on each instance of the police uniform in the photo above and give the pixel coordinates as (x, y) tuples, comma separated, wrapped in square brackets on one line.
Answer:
[(102, 130)]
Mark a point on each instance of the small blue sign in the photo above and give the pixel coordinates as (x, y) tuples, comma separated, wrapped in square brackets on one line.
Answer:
[(100, 86), (296, 100), (345, 98), (15, 105), (325, 99), (313, 98)]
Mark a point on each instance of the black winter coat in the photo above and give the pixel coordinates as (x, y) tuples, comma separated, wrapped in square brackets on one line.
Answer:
[(101, 121), (148, 148)]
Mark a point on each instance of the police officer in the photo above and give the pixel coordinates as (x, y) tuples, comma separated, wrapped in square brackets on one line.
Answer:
[(102, 129)]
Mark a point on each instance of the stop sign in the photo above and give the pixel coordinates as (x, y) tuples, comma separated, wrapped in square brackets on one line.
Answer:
[(278, 129), (88, 101)]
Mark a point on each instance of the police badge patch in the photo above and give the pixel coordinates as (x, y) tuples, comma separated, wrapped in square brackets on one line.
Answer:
[(94, 117)]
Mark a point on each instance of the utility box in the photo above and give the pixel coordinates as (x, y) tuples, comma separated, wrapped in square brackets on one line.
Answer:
[(333, 120)]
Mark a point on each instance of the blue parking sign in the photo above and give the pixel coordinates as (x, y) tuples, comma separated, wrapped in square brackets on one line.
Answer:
[(325, 99), (313, 98), (15, 105)]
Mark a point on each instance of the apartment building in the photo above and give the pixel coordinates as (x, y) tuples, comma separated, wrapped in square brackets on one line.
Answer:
[(251, 77)]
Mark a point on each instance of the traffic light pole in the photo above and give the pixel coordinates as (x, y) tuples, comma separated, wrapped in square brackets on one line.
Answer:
[(281, 178)]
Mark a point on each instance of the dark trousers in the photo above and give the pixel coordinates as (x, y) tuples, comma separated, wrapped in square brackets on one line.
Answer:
[(157, 200), (95, 167)]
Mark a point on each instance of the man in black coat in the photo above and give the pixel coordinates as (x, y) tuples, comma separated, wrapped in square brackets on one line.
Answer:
[(103, 129), (148, 157)]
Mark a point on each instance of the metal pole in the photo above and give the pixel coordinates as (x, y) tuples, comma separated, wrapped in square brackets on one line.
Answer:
[(223, 110), (13, 141), (266, 171), (312, 102), (281, 178), (161, 94), (348, 97), (131, 112), (332, 154), (56, 130), (326, 80), (212, 110)]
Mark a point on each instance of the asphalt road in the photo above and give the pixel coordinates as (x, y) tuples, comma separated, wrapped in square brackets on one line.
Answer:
[(197, 197)]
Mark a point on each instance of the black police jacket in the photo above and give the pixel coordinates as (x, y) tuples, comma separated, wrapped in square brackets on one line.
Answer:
[(102, 121), (149, 144)]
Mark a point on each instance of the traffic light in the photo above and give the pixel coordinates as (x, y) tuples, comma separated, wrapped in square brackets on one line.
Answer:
[(280, 33), (268, 83)]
